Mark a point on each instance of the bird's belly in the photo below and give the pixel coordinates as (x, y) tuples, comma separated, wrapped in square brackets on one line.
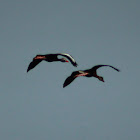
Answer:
[(49, 60), (88, 75)]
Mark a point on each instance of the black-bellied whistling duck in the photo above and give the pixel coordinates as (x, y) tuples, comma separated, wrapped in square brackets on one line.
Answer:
[(51, 58), (87, 73)]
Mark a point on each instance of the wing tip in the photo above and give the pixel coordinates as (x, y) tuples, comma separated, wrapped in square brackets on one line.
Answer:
[(28, 69), (75, 64), (64, 85)]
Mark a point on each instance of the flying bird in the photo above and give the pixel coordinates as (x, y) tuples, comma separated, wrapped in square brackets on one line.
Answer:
[(87, 73), (51, 58)]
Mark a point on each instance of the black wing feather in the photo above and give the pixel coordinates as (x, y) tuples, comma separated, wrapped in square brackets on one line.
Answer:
[(68, 81), (33, 64), (98, 66), (70, 78)]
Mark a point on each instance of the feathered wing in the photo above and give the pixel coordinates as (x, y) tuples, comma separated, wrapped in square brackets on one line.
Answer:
[(70, 78), (98, 66), (71, 59), (68, 81), (33, 64)]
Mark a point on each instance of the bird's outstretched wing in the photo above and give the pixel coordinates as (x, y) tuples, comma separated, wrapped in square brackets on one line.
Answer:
[(33, 64), (98, 66), (70, 78), (71, 59)]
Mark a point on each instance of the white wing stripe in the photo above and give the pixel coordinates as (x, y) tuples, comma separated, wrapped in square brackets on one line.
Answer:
[(69, 56)]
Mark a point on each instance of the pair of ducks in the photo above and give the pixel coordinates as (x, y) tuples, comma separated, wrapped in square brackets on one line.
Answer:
[(54, 57)]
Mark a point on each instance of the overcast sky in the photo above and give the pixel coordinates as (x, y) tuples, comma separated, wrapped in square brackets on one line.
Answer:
[(35, 105)]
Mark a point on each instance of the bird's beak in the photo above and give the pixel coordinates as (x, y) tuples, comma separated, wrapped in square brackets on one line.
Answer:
[(67, 61)]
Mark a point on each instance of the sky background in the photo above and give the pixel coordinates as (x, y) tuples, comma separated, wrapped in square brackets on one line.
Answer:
[(35, 105)]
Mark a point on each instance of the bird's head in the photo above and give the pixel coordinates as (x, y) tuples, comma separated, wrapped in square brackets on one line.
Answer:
[(101, 79), (64, 60)]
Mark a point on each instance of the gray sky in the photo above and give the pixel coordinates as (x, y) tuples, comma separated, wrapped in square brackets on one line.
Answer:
[(35, 106)]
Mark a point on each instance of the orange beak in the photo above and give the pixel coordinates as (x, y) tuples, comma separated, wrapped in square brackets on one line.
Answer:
[(67, 61)]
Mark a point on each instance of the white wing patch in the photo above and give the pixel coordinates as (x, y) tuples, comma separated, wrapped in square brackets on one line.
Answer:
[(68, 56)]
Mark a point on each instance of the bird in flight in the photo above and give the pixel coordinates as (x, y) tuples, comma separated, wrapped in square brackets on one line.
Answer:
[(87, 73), (51, 58)]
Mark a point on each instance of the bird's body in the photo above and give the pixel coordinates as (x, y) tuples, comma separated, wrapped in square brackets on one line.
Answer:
[(87, 73), (51, 58)]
